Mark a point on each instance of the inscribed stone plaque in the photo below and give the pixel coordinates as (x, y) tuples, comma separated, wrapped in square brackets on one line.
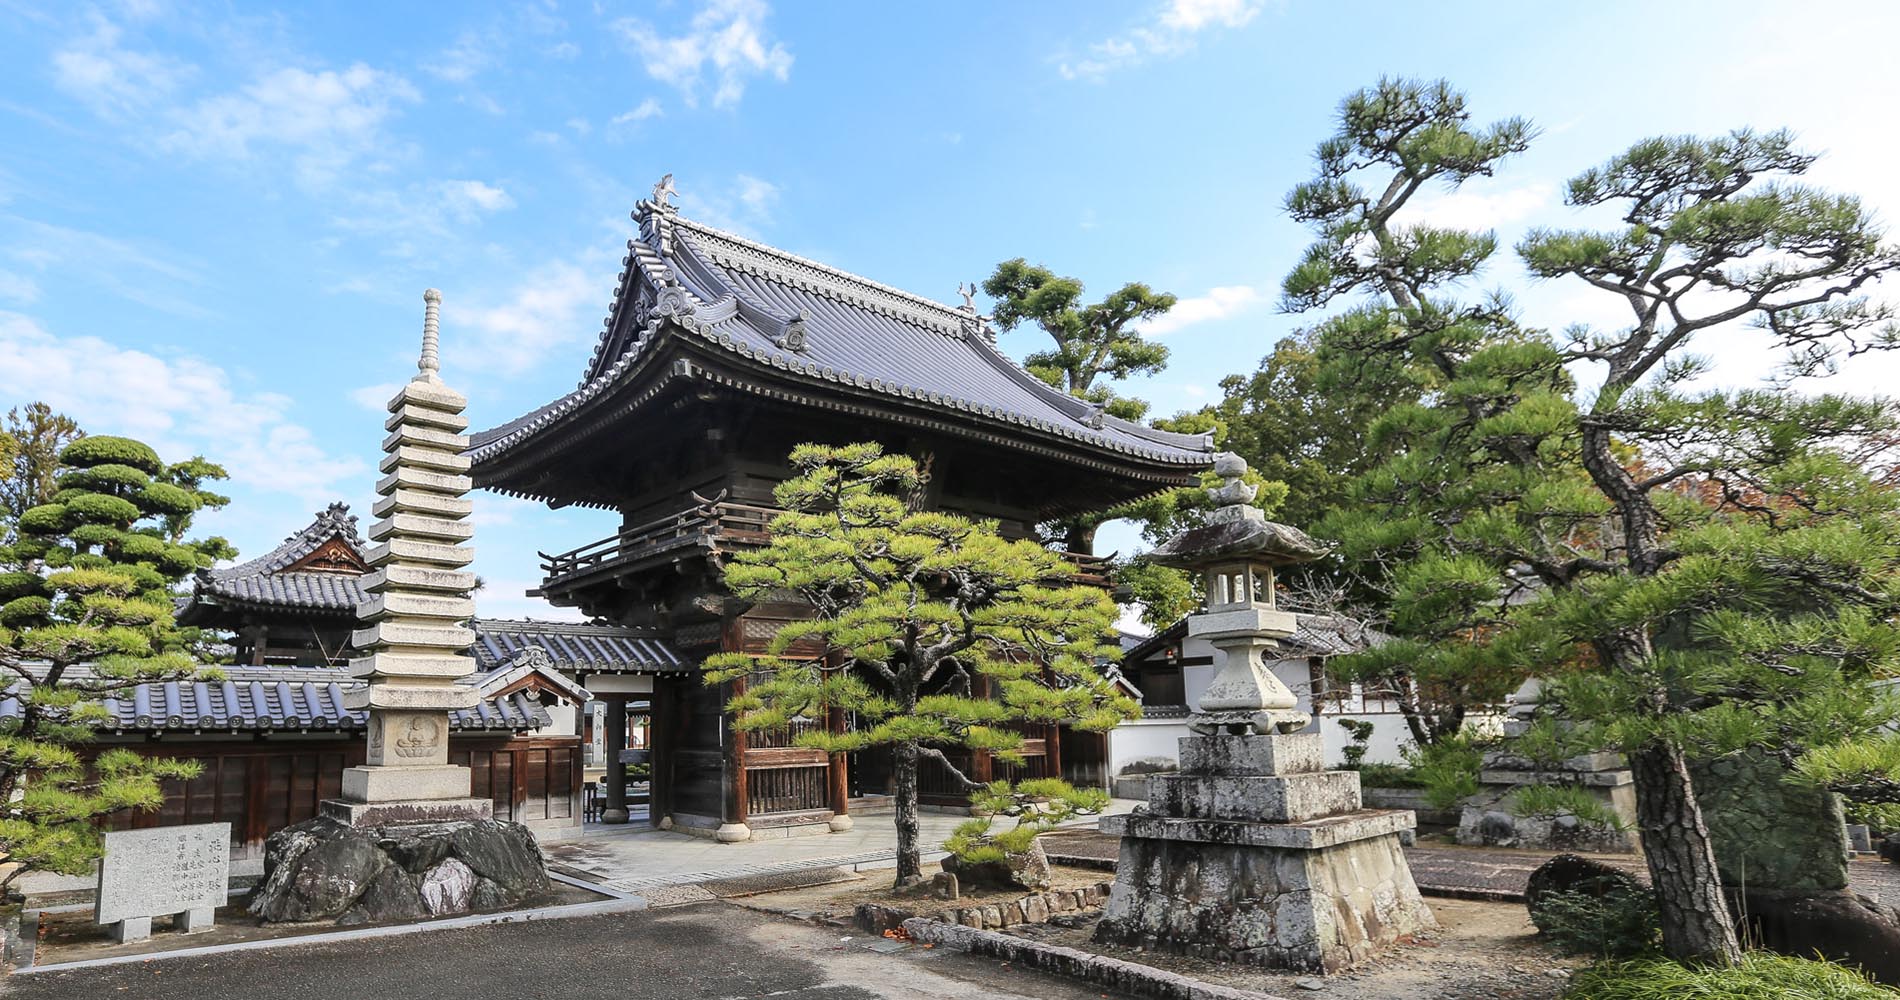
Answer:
[(171, 869)]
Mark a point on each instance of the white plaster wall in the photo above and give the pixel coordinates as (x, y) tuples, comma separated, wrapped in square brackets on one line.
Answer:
[(1144, 739)]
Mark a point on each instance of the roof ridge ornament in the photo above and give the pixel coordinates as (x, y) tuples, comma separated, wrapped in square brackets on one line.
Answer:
[(656, 214), (792, 337), (973, 323), (431, 360), (663, 191)]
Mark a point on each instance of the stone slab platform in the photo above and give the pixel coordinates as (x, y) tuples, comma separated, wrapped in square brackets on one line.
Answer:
[(1313, 834)]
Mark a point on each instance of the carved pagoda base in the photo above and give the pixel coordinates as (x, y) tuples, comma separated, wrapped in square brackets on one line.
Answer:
[(1254, 854)]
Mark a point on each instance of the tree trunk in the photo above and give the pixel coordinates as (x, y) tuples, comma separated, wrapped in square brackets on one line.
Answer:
[(1695, 919), (1079, 536), (910, 866)]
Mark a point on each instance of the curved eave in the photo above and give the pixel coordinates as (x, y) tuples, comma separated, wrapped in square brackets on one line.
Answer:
[(503, 461)]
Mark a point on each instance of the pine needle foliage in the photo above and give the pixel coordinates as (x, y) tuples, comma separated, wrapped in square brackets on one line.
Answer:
[(1037, 806), (1758, 976), (915, 614), (1695, 571), (86, 612)]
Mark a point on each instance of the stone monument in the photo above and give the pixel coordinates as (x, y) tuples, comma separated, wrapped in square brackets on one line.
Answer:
[(406, 839), (180, 871), (1488, 819), (1254, 852)]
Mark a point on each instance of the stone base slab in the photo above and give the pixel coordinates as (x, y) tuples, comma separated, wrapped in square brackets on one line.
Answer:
[(1314, 834), (1284, 754), (1324, 909), (369, 814), (1241, 798), (1595, 779), (402, 784)]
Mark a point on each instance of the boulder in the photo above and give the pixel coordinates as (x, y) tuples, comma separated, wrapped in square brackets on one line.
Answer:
[(1890, 847), (1769, 832), (1572, 873), (1841, 926), (1028, 870), (326, 870)]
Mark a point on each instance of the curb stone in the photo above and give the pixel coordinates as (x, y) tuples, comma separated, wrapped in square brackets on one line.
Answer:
[(1100, 970)]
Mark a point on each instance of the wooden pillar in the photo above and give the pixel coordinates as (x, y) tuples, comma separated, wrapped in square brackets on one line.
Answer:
[(660, 753), (1052, 751), (840, 777), (613, 741), (734, 829)]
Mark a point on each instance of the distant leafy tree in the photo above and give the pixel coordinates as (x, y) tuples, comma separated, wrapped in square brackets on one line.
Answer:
[(915, 613), (85, 611), (38, 434)]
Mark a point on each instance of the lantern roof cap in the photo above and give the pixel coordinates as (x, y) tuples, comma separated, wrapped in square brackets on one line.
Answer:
[(1237, 530)]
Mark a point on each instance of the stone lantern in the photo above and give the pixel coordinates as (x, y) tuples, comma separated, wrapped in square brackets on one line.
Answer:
[(1237, 552), (1254, 852)]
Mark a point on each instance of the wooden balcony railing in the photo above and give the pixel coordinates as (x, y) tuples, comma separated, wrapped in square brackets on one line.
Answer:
[(719, 524)]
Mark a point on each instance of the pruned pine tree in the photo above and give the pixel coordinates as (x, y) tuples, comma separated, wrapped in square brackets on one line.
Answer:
[(1743, 589), (1455, 399), (1095, 345), (931, 629), (86, 611)]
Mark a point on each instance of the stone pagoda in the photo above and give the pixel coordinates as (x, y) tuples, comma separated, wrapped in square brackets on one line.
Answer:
[(414, 622), (1254, 852), (406, 840)]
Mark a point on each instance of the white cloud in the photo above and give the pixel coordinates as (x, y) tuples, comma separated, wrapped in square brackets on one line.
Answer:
[(1471, 209), (375, 398), (649, 108), (459, 63), (156, 278), (1218, 303), (1169, 31), (327, 119), (179, 405), (726, 40), (113, 80), (18, 287), (474, 196), (745, 206), (548, 311)]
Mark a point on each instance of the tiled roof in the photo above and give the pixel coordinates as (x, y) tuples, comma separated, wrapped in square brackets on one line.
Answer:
[(804, 318), (264, 581), (577, 647), (264, 699)]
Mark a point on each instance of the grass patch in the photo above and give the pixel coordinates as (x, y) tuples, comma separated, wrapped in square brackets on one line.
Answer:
[(1761, 976)]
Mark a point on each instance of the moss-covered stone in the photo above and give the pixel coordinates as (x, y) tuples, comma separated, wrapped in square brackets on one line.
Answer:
[(1770, 833)]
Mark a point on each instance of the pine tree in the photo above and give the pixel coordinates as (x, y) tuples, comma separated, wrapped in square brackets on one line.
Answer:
[(1094, 345), (85, 611), (1695, 571), (935, 632), (38, 435)]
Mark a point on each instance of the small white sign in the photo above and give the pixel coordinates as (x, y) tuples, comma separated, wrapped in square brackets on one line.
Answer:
[(166, 870)]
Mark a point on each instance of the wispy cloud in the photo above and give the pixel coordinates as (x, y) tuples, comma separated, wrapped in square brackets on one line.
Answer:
[(111, 79), (1171, 30), (1474, 208), (548, 311), (649, 108), (324, 120), (154, 277), (744, 206), (180, 405), (726, 41), (375, 398), (1218, 303)]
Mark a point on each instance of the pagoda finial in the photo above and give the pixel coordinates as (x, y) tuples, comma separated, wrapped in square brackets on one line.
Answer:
[(431, 360)]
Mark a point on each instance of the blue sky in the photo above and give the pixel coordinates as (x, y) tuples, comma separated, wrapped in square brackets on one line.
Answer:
[(217, 220)]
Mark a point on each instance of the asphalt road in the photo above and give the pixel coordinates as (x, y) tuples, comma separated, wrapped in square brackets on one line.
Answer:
[(708, 950)]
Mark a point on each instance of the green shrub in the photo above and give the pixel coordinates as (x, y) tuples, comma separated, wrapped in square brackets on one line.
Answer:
[(1620, 923), (1761, 976), (99, 508), (1563, 800), (1355, 752), (105, 449), (1448, 769)]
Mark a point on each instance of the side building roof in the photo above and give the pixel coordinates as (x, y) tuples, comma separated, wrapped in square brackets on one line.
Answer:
[(314, 571), (279, 699), (807, 322)]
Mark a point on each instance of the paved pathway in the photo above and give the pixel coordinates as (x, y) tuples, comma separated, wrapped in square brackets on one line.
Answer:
[(686, 953), (640, 859)]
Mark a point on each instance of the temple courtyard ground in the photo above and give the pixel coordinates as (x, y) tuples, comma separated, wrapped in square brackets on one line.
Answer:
[(711, 950)]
